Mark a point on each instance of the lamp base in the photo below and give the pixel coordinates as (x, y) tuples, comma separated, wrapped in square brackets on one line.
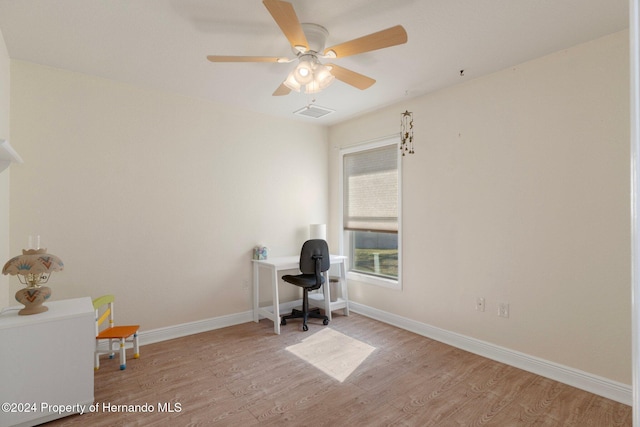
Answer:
[(32, 298)]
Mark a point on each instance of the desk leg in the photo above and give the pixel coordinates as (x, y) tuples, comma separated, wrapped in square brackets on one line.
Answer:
[(343, 282), (327, 295), (276, 303), (256, 291)]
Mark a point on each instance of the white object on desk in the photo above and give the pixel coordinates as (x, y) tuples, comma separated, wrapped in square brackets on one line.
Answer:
[(278, 264), (318, 231), (46, 359)]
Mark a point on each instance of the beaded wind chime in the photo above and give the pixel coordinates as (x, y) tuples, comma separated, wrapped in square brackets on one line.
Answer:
[(406, 132)]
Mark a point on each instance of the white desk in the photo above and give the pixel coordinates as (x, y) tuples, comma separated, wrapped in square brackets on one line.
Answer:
[(278, 264)]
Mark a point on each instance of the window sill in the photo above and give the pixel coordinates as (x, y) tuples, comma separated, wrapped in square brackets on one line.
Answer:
[(373, 280)]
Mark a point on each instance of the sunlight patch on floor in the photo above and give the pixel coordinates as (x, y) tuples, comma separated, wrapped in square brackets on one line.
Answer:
[(335, 354)]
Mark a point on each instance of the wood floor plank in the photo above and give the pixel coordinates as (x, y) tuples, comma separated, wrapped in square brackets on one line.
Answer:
[(244, 375)]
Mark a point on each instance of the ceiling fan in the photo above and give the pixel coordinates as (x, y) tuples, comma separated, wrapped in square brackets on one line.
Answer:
[(307, 42)]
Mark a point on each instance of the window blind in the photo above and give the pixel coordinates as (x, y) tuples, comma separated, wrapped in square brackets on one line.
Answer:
[(371, 190)]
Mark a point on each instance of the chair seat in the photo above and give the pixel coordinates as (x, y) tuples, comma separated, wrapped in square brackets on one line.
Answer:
[(303, 280), (118, 332)]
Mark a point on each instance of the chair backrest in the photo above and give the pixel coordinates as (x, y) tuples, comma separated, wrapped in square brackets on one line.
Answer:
[(104, 310), (311, 251)]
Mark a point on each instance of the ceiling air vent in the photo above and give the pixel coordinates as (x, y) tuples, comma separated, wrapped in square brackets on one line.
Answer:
[(313, 111)]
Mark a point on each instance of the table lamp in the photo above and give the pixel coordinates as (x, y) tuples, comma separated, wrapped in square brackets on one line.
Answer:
[(33, 269)]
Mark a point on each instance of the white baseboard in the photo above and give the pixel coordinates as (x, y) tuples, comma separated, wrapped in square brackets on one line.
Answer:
[(190, 328), (184, 329), (585, 381)]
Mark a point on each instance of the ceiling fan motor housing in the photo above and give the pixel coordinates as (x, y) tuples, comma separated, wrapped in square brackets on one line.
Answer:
[(316, 37)]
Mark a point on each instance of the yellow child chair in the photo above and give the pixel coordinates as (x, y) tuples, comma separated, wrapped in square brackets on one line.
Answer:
[(123, 334)]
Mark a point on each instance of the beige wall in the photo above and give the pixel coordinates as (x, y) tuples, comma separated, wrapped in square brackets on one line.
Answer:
[(4, 176), (518, 192), (157, 198)]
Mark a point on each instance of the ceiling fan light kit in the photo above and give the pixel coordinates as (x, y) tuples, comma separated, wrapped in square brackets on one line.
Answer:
[(309, 73), (307, 43)]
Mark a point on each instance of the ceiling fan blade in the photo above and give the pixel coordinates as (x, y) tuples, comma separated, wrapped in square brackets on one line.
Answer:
[(282, 90), (351, 77), (222, 58), (386, 38), (286, 18)]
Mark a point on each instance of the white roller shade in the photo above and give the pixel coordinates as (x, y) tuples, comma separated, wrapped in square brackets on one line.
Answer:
[(371, 190)]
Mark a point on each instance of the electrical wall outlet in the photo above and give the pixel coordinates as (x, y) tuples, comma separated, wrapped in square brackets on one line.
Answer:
[(503, 309), (480, 304)]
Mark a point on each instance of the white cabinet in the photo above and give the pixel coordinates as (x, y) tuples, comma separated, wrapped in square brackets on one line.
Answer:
[(46, 359)]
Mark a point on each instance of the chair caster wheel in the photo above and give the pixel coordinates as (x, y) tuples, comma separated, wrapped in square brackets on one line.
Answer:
[(325, 322), (305, 328), (283, 322)]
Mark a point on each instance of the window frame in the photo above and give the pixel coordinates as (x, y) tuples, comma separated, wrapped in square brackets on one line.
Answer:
[(344, 237)]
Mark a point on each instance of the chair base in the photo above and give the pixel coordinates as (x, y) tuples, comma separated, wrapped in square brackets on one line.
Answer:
[(122, 351), (299, 314), (112, 355)]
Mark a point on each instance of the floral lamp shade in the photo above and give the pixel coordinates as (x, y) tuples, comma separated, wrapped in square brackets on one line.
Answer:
[(33, 261), (33, 269)]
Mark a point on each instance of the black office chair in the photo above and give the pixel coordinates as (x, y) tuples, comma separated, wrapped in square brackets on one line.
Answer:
[(314, 261)]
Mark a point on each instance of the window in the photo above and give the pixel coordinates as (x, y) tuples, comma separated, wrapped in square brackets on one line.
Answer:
[(370, 205)]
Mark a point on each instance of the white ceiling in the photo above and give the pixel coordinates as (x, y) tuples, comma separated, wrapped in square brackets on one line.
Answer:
[(163, 44)]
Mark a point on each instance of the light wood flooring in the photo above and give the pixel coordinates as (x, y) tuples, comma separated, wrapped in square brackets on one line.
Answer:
[(243, 376)]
